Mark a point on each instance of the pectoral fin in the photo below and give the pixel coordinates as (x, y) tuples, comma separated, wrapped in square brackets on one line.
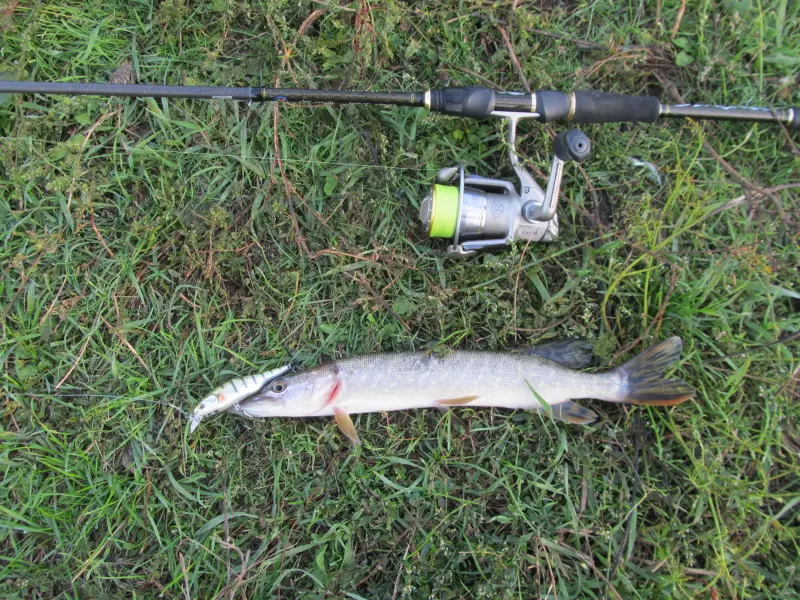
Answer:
[(345, 423), (456, 401)]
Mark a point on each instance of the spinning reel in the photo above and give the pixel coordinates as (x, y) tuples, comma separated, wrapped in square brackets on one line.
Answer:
[(481, 213)]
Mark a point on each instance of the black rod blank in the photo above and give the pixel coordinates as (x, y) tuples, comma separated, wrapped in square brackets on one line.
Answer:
[(788, 116), (473, 102), (254, 94), (131, 91)]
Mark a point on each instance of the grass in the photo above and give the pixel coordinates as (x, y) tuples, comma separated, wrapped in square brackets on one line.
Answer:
[(152, 250)]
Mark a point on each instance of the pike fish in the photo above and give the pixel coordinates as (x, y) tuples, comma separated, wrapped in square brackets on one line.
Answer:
[(542, 378)]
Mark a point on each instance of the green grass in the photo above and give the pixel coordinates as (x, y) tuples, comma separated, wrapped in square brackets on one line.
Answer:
[(149, 254)]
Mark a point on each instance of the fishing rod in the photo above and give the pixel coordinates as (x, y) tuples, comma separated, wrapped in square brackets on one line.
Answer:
[(475, 212)]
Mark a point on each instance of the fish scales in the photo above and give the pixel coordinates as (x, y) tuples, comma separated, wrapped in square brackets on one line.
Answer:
[(385, 382), (533, 379), (412, 380)]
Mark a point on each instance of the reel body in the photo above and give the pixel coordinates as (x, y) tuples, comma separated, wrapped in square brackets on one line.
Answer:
[(481, 213)]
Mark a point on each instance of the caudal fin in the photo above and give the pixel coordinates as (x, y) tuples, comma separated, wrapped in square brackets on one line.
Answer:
[(644, 382)]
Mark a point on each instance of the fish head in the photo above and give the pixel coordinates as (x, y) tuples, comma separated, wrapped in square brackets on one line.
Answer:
[(297, 395)]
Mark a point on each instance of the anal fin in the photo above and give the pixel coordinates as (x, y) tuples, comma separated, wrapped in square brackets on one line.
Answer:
[(573, 413), (345, 424)]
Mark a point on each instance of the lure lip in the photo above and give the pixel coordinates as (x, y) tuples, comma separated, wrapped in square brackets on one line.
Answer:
[(231, 393), (194, 421)]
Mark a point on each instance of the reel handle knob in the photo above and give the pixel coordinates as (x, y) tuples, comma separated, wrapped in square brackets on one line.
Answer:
[(572, 145)]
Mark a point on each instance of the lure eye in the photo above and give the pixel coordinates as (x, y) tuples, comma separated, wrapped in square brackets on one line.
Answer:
[(279, 386)]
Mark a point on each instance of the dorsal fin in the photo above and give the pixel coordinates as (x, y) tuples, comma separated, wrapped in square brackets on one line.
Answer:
[(456, 401), (571, 353)]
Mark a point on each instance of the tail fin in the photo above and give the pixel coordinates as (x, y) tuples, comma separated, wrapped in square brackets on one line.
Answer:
[(643, 377)]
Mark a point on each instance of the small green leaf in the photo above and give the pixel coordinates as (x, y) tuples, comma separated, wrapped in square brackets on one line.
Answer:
[(26, 371), (320, 560), (58, 153), (330, 185), (737, 6), (327, 328), (349, 553), (253, 167), (201, 533), (258, 200), (5, 98), (609, 247), (783, 60), (683, 58), (501, 519), (403, 306)]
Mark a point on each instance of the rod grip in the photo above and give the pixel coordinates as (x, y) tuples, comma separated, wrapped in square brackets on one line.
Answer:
[(795, 124), (603, 107), (473, 102)]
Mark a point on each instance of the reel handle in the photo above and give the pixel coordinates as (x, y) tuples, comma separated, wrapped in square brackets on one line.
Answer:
[(572, 145)]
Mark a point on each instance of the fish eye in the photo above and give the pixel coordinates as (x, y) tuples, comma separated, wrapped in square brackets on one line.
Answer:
[(278, 386)]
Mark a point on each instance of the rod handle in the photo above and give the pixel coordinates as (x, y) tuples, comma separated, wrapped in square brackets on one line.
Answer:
[(795, 124), (473, 101), (596, 107), (603, 107)]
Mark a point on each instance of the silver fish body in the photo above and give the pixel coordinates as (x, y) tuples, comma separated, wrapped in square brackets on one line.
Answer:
[(539, 379), (410, 380)]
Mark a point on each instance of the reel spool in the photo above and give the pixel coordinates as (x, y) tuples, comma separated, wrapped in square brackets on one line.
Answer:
[(481, 213)]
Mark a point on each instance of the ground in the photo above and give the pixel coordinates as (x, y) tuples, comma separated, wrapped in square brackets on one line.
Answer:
[(154, 249)]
